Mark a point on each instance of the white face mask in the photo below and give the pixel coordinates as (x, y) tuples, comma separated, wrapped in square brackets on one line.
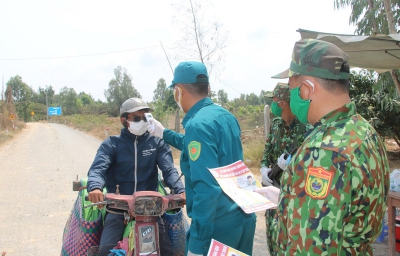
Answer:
[(178, 102), (137, 128)]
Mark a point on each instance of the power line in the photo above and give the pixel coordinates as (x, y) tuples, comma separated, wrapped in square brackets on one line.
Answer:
[(78, 56), (105, 53), (232, 88)]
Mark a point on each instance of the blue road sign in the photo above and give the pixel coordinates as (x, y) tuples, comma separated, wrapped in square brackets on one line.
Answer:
[(54, 111)]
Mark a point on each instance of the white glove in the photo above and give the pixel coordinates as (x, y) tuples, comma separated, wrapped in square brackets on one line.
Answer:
[(270, 192), (282, 162), (264, 173), (192, 254), (158, 129)]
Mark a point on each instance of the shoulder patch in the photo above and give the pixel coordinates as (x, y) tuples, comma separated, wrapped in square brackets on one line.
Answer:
[(194, 148), (318, 182)]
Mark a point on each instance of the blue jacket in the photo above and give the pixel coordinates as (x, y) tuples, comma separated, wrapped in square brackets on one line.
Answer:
[(114, 164), (212, 139)]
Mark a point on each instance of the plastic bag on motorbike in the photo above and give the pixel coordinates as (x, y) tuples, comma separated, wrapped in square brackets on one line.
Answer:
[(395, 180)]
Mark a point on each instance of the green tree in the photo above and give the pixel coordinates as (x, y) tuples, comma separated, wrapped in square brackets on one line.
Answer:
[(69, 100), (21, 94), (371, 16), (222, 97), (39, 109), (163, 100), (160, 104), (374, 17), (170, 100), (20, 90), (375, 106), (46, 93), (262, 98), (253, 99), (86, 99), (159, 92), (213, 96), (119, 89)]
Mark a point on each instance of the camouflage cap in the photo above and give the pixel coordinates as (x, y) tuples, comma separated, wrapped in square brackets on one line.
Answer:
[(281, 91), (317, 58)]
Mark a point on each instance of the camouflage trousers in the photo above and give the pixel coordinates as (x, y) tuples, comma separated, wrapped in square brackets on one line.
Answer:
[(272, 233)]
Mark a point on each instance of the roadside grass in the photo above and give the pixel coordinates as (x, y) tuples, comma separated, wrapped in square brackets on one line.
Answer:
[(9, 127), (99, 126), (102, 126), (253, 139), (253, 150)]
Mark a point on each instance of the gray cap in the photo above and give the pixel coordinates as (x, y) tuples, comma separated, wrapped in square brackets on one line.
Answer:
[(132, 105)]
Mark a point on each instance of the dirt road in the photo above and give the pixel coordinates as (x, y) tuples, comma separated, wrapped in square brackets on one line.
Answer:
[(36, 172)]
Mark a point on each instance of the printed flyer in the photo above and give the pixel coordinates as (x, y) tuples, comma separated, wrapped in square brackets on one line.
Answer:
[(220, 249), (238, 182)]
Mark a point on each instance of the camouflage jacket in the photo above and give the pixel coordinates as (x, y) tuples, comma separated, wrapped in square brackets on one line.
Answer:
[(281, 139), (333, 194)]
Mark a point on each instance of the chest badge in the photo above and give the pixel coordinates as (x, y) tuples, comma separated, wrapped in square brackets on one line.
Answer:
[(194, 148), (318, 182)]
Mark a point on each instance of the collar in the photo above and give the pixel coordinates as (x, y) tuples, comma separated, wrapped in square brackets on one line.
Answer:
[(195, 108), (293, 125), (344, 111)]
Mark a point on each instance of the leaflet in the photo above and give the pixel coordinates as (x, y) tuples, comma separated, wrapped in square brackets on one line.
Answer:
[(220, 249), (238, 182)]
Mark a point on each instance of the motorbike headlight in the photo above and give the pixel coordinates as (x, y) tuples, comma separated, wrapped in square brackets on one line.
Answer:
[(148, 205)]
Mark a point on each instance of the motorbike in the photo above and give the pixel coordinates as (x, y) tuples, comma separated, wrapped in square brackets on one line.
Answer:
[(144, 207), (141, 212)]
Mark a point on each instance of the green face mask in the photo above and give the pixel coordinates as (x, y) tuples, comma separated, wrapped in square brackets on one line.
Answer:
[(299, 106), (276, 110)]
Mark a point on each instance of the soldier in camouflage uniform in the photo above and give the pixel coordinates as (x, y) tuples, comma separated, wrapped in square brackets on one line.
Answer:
[(286, 134), (334, 190)]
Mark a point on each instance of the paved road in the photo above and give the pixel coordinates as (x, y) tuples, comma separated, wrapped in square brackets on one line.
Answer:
[(36, 172)]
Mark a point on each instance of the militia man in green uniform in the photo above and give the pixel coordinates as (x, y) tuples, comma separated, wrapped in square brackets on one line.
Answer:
[(212, 139), (286, 134), (334, 190)]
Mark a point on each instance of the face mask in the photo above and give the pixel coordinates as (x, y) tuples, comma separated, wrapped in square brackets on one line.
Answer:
[(276, 110), (137, 128), (178, 102), (299, 106)]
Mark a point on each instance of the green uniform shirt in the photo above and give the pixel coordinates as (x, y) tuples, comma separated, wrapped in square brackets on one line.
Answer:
[(212, 139), (281, 139), (333, 194)]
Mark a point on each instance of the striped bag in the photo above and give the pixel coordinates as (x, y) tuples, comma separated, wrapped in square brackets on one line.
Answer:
[(83, 228), (177, 225)]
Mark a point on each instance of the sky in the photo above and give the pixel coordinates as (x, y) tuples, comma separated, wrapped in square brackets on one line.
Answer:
[(79, 44)]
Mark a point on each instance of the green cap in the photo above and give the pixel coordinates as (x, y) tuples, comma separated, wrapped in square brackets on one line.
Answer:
[(317, 58), (281, 91), (186, 73)]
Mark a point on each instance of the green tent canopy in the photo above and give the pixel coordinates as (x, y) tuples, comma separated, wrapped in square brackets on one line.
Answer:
[(378, 52)]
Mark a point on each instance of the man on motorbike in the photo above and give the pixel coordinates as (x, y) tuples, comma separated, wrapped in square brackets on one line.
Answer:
[(131, 160)]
